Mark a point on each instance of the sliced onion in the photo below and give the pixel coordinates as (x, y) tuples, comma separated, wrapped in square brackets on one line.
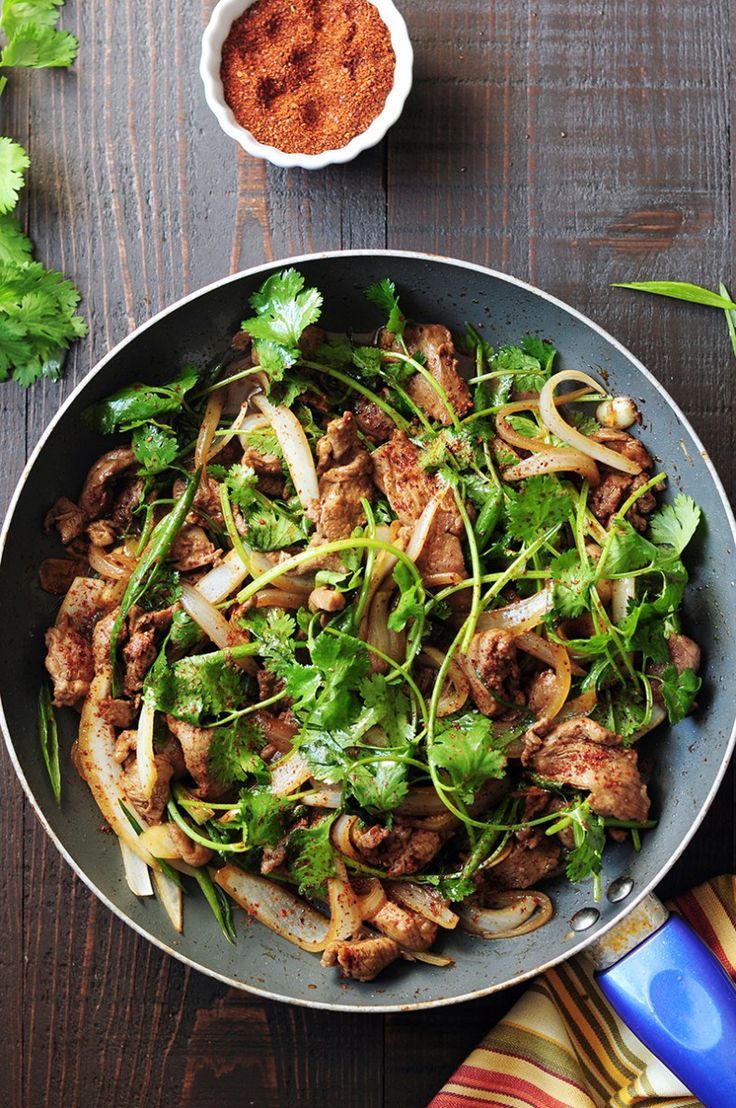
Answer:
[(345, 914), (277, 598), (456, 688), (554, 422), (522, 615), (518, 914), (295, 448), (85, 598), (428, 957), (423, 526), (207, 428), (238, 425), (555, 460), (376, 631), (557, 657), (144, 757), (341, 836), (158, 840), (276, 907), (223, 579), (213, 623), (426, 902), (137, 873), (325, 796), (170, 894), (422, 800), (288, 774), (96, 762), (506, 432), (623, 589), (372, 899), (109, 564)]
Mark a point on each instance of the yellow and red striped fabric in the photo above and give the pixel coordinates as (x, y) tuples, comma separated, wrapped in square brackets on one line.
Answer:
[(562, 1046)]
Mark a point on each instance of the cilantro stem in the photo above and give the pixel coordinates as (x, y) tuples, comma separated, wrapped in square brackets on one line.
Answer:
[(520, 560), (621, 515), (249, 710), (370, 560), (149, 566), (358, 387), (232, 530), (395, 355), (219, 847), (472, 619), (228, 381)]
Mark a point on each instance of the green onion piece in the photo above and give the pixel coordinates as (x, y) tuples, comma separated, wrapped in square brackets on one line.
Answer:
[(730, 316), (217, 901), (680, 290), (220, 848), (48, 734)]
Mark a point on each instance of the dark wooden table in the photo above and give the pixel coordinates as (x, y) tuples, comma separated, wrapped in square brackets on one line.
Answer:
[(569, 143)]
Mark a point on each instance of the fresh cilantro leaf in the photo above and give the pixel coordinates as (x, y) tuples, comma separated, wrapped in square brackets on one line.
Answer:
[(383, 295), (155, 447), (367, 359), (271, 530), (204, 685), (675, 524), (583, 421), (629, 550), (164, 591), (543, 351), (623, 710), (410, 604), (136, 404), (589, 833), (529, 375), (283, 309), (184, 633), (261, 815), (264, 442), (464, 748), (678, 692), (42, 304), (339, 351), (312, 858), (452, 886), (37, 47), (232, 754), (571, 581), (448, 446), (343, 666), (15, 247), (17, 14), (241, 482), (276, 632), (539, 504), (14, 349), (379, 786), (13, 163)]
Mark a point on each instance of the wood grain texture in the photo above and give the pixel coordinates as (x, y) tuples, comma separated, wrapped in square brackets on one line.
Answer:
[(571, 144)]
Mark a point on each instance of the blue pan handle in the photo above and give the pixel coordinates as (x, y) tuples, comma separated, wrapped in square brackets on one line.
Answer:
[(676, 997)]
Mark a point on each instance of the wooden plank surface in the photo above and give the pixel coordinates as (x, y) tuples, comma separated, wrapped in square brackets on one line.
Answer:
[(573, 144)]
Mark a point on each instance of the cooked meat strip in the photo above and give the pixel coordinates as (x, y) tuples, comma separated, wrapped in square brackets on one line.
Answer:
[(55, 575), (361, 959), (274, 856), (265, 465), (145, 632), (539, 690), (344, 469), (195, 744), (126, 502), (324, 599), (493, 671), (536, 801), (120, 713), (615, 487), (524, 865), (404, 926), (125, 744), (151, 808), (310, 340), (268, 684), (193, 550), (684, 652), (409, 488), (435, 342), (100, 486), (69, 664), (374, 423), (585, 755), (102, 532), (68, 519), (194, 854), (278, 731), (402, 850)]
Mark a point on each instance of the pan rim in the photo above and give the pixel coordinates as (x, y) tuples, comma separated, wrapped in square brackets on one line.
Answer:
[(418, 1005)]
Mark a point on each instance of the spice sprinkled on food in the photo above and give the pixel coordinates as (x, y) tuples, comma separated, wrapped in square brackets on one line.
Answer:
[(307, 75)]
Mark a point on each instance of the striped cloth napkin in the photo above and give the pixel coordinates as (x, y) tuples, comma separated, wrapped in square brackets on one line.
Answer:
[(562, 1046)]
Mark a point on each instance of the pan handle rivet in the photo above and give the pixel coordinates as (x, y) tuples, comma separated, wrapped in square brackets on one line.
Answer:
[(620, 889), (584, 919)]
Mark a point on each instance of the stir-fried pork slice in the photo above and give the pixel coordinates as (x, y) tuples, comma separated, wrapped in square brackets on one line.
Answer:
[(539, 691), (684, 652), (616, 487), (150, 808), (119, 713), (525, 864), (493, 671), (404, 926), (324, 599), (101, 483), (68, 519), (434, 342), (409, 488), (145, 632), (102, 532), (344, 469), (193, 550), (361, 959), (194, 854), (374, 423), (585, 755), (402, 850), (195, 744), (69, 664), (128, 498)]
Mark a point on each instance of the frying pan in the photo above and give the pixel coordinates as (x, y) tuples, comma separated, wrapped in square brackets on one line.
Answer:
[(690, 759)]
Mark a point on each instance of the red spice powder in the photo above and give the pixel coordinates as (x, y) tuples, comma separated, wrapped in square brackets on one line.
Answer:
[(307, 75)]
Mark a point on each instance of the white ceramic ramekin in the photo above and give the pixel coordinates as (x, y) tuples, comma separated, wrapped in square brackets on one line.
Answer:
[(223, 17)]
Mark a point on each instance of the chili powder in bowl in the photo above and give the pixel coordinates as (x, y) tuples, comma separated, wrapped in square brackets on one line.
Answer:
[(306, 82)]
